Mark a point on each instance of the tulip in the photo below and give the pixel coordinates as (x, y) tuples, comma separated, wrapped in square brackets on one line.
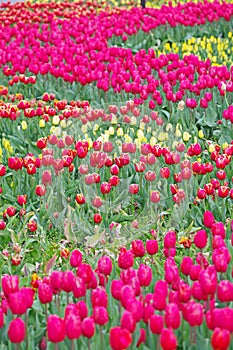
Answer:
[(152, 246), (208, 280), (45, 293), (80, 199), (120, 339), (99, 297), (88, 327), (128, 321), (142, 337), (73, 326), (144, 275), (220, 339), (97, 218), (22, 199), (186, 264), (116, 286), (208, 219), (125, 259), (82, 309), (138, 248), (172, 316), (56, 329), (200, 239), (10, 284), (100, 315), (133, 188), (105, 265), (168, 339), (16, 330), (75, 258)]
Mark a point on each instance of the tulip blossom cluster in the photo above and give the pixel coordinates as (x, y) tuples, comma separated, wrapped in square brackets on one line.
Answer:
[(86, 57), (188, 295)]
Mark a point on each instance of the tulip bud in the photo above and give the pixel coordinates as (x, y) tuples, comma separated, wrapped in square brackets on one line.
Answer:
[(220, 339), (120, 338), (56, 329), (17, 330), (168, 339), (88, 327), (75, 258)]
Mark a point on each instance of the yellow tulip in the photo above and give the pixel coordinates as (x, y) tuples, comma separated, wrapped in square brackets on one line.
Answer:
[(186, 136), (56, 120), (41, 123), (201, 134), (24, 125), (133, 120), (120, 132), (225, 145), (114, 119), (211, 148), (84, 128), (111, 130)]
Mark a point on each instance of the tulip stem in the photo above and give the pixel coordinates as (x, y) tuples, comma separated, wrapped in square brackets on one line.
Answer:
[(101, 338), (26, 323), (56, 346), (157, 346), (17, 346), (89, 344), (72, 344), (46, 312)]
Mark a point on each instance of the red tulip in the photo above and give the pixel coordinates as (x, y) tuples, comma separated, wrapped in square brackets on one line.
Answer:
[(97, 218), (82, 309), (172, 316), (128, 321), (17, 330), (88, 327), (220, 339), (40, 190), (186, 264), (105, 188), (142, 337), (138, 248), (99, 297), (56, 329), (144, 275), (68, 281), (218, 229), (152, 246), (80, 199), (125, 259), (156, 324), (56, 280), (168, 339), (1, 317), (45, 293), (154, 196), (10, 284), (2, 225), (105, 265), (75, 258), (200, 239), (100, 315), (133, 188), (208, 280), (22, 199), (73, 326), (79, 288), (208, 219), (116, 286), (120, 339)]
